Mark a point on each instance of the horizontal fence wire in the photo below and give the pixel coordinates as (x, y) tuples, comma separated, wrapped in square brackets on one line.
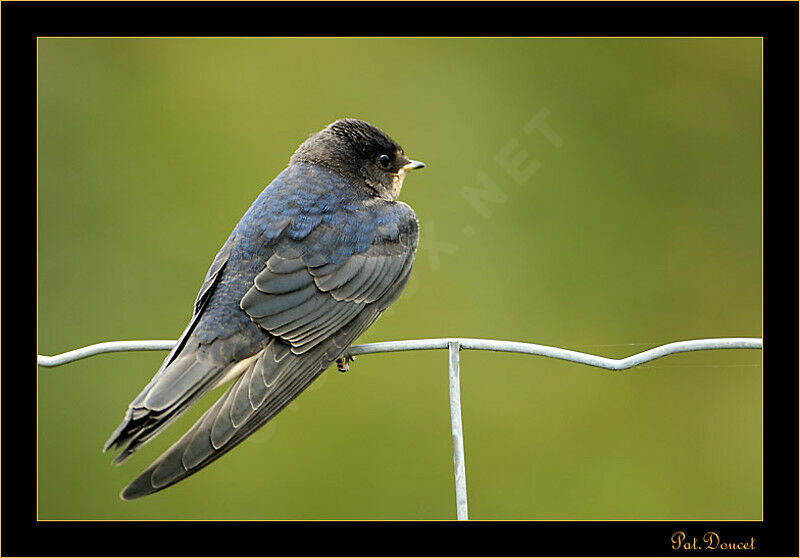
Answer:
[(464, 343), (453, 346)]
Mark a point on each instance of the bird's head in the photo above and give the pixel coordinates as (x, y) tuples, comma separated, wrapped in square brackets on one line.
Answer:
[(359, 151)]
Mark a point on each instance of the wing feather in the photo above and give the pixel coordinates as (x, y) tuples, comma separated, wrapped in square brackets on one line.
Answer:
[(318, 287), (336, 276), (328, 295), (261, 305)]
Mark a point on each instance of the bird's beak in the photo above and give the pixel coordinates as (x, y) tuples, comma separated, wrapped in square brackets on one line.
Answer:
[(397, 179), (411, 165)]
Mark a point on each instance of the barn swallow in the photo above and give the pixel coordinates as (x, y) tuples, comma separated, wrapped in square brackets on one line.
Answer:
[(316, 259)]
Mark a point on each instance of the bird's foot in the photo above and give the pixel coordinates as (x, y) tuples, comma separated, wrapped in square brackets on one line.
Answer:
[(343, 363)]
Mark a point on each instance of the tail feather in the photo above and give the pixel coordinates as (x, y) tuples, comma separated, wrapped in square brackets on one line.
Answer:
[(179, 383), (273, 381), (141, 424), (214, 434)]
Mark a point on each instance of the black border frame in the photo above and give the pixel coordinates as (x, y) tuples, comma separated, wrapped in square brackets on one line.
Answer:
[(22, 22)]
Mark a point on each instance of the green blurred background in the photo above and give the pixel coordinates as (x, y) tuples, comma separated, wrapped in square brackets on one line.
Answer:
[(639, 224)]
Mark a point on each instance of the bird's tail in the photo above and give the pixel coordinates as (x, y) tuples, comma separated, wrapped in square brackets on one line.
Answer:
[(143, 422), (180, 382), (270, 382)]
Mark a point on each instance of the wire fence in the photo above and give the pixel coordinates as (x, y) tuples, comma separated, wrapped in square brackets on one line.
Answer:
[(454, 346)]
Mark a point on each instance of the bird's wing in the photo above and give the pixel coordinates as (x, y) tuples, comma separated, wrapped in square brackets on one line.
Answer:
[(312, 304), (304, 298), (206, 290), (188, 372)]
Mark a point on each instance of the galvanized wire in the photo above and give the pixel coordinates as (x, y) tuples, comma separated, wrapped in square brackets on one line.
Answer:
[(107, 347), (458, 434), (464, 343), (454, 346)]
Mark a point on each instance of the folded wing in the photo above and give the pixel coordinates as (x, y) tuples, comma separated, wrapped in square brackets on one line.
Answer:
[(311, 305)]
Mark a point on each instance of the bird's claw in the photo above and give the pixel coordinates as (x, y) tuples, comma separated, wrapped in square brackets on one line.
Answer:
[(343, 363)]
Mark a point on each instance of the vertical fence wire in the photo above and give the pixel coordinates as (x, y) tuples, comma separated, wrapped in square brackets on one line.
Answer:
[(454, 349)]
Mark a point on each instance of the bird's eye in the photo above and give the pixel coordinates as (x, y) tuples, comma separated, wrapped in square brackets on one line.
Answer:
[(384, 161)]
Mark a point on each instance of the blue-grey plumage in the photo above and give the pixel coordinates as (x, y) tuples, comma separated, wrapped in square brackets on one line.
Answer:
[(315, 260)]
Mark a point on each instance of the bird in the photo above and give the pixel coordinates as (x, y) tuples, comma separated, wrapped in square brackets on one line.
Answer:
[(321, 253)]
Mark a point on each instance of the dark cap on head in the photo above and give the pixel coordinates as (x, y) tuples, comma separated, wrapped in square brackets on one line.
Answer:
[(359, 151)]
